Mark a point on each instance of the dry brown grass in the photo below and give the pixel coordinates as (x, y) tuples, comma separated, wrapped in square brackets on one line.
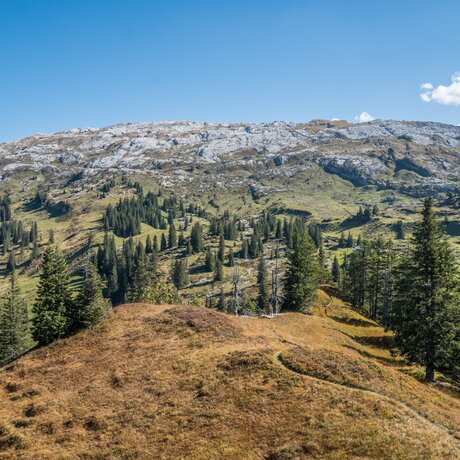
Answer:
[(183, 382)]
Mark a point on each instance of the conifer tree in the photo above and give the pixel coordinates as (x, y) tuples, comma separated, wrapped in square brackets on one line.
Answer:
[(400, 230), (11, 264), (301, 279), (221, 252), (196, 238), (219, 271), (231, 258), (426, 299), (179, 273), (14, 323), (263, 299), (92, 306), (53, 308), (209, 260), (172, 236), (336, 272), (349, 240), (221, 305), (164, 244), (148, 245), (244, 249)]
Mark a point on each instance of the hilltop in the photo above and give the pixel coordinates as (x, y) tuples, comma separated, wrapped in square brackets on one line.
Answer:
[(187, 382)]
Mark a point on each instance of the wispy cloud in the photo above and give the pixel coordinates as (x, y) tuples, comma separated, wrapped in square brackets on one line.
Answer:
[(364, 117), (446, 95)]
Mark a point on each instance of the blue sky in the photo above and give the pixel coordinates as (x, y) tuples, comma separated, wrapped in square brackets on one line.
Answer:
[(81, 63)]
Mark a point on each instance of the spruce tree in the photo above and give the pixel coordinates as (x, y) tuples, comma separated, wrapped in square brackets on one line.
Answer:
[(196, 238), (219, 271), (11, 264), (336, 272), (35, 249), (301, 279), (221, 305), (92, 306), (221, 252), (209, 261), (263, 299), (179, 274), (172, 236), (53, 308), (426, 297), (231, 258), (14, 323), (164, 244)]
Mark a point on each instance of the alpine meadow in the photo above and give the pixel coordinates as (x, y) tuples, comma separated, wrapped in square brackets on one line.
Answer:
[(276, 290)]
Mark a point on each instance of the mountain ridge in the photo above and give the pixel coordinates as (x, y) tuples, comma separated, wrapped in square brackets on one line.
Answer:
[(413, 158)]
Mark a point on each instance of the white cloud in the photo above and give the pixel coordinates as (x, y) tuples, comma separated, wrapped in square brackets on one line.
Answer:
[(446, 95), (364, 117)]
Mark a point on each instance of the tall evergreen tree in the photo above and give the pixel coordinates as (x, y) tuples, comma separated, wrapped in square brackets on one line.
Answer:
[(219, 270), (91, 304), (196, 238), (426, 298), (14, 323), (221, 252), (301, 279), (54, 313), (209, 260), (263, 298), (172, 236), (179, 273), (336, 271), (11, 264)]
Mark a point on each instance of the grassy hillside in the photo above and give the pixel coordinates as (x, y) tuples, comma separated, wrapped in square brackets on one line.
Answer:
[(186, 382)]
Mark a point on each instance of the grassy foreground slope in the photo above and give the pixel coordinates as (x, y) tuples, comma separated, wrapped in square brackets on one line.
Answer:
[(187, 382)]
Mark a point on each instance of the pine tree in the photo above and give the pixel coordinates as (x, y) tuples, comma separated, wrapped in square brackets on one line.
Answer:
[(426, 297), (164, 244), (35, 250), (231, 258), (301, 279), (92, 306), (196, 238), (222, 304), (349, 240), (148, 245), (263, 299), (221, 252), (53, 309), (11, 264), (14, 323), (400, 230), (219, 271), (179, 274), (336, 271), (209, 261), (172, 236)]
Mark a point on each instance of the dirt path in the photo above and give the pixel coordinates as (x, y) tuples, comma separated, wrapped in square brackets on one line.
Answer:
[(280, 362)]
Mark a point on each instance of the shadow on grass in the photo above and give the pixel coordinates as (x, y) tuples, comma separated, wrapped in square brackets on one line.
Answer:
[(387, 361), (354, 321)]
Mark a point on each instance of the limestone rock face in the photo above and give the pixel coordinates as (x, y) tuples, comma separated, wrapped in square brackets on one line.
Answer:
[(409, 156)]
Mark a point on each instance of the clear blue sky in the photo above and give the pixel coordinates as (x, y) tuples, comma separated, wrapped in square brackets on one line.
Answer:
[(78, 63)]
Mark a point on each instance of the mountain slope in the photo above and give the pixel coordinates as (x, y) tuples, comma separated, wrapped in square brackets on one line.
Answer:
[(184, 382), (412, 157)]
